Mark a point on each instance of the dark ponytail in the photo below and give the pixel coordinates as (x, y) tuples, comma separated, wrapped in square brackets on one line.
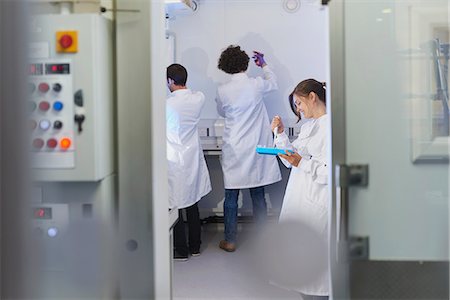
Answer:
[(311, 85), (304, 88)]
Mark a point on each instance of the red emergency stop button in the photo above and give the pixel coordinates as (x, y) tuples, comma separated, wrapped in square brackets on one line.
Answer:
[(52, 143), (65, 143), (38, 143), (43, 87), (66, 41), (44, 106)]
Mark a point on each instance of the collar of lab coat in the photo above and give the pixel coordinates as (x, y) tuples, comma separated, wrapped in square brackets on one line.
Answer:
[(322, 119), (180, 92), (239, 76), (310, 125)]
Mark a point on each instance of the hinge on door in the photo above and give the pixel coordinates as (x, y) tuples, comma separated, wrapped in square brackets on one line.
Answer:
[(352, 175), (325, 2), (358, 247)]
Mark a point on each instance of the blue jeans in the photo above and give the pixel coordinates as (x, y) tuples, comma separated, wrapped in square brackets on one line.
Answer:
[(230, 210)]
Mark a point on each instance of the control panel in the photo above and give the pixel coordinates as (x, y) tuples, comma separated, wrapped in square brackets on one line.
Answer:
[(71, 98), (51, 114), (71, 141), (50, 220), (49, 233)]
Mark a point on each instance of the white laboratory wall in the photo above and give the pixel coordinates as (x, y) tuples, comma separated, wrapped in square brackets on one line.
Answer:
[(295, 47), (404, 210)]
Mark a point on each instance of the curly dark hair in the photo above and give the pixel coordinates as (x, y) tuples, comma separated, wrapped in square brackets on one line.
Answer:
[(233, 60)]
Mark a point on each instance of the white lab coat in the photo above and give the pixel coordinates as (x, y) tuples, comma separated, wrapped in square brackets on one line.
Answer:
[(247, 125), (306, 196), (188, 174)]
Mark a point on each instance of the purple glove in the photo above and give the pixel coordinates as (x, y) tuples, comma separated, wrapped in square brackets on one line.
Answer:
[(259, 59)]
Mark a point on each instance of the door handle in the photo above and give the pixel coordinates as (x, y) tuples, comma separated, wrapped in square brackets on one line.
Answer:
[(347, 176)]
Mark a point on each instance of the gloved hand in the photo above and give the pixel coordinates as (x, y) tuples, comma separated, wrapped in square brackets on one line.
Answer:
[(259, 59)]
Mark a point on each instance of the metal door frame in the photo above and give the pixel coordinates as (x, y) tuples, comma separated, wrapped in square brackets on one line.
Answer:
[(142, 166), (339, 281)]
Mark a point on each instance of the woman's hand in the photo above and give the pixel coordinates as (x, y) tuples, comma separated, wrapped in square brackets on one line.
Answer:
[(276, 122), (292, 157)]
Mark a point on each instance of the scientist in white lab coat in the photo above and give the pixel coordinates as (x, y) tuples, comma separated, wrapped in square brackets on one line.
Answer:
[(247, 125), (306, 197), (188, 174)]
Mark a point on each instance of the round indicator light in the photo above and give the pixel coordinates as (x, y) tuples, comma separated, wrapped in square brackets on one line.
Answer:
[(44, 124), (66, 41), (65, 143), (44, 106), (52, 232), (38, 143), (43, 87), (52, 143)]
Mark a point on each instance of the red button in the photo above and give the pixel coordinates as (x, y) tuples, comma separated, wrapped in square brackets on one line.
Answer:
[(33, 124), (44, 106), (66, 41), (44, 87), (38, 143), (52, 143)]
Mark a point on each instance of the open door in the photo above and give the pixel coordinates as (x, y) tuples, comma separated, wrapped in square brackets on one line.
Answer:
[(390, 134)]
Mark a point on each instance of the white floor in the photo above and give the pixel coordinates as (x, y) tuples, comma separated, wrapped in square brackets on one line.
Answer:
[(216, 274)]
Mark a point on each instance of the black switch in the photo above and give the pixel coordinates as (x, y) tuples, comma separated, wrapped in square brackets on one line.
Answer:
[(79, 101), (57, 125), (79, 119), (57, 87)]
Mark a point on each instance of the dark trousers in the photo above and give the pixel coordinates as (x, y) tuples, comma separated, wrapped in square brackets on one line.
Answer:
[(194, 231)]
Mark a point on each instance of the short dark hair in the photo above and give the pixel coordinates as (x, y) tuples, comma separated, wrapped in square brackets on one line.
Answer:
[(233, 60), (177, 73), (304, 88)]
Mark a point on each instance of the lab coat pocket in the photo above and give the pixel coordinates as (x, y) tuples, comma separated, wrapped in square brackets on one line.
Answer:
[(317, 207)]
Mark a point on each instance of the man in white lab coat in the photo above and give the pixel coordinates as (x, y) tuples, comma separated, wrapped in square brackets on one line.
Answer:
[(247, 125), (188, 174)]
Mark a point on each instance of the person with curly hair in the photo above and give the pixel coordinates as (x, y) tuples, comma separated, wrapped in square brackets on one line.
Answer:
[(247, 125)]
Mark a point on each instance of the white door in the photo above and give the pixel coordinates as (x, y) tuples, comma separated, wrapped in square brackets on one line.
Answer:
[(390, 117)]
